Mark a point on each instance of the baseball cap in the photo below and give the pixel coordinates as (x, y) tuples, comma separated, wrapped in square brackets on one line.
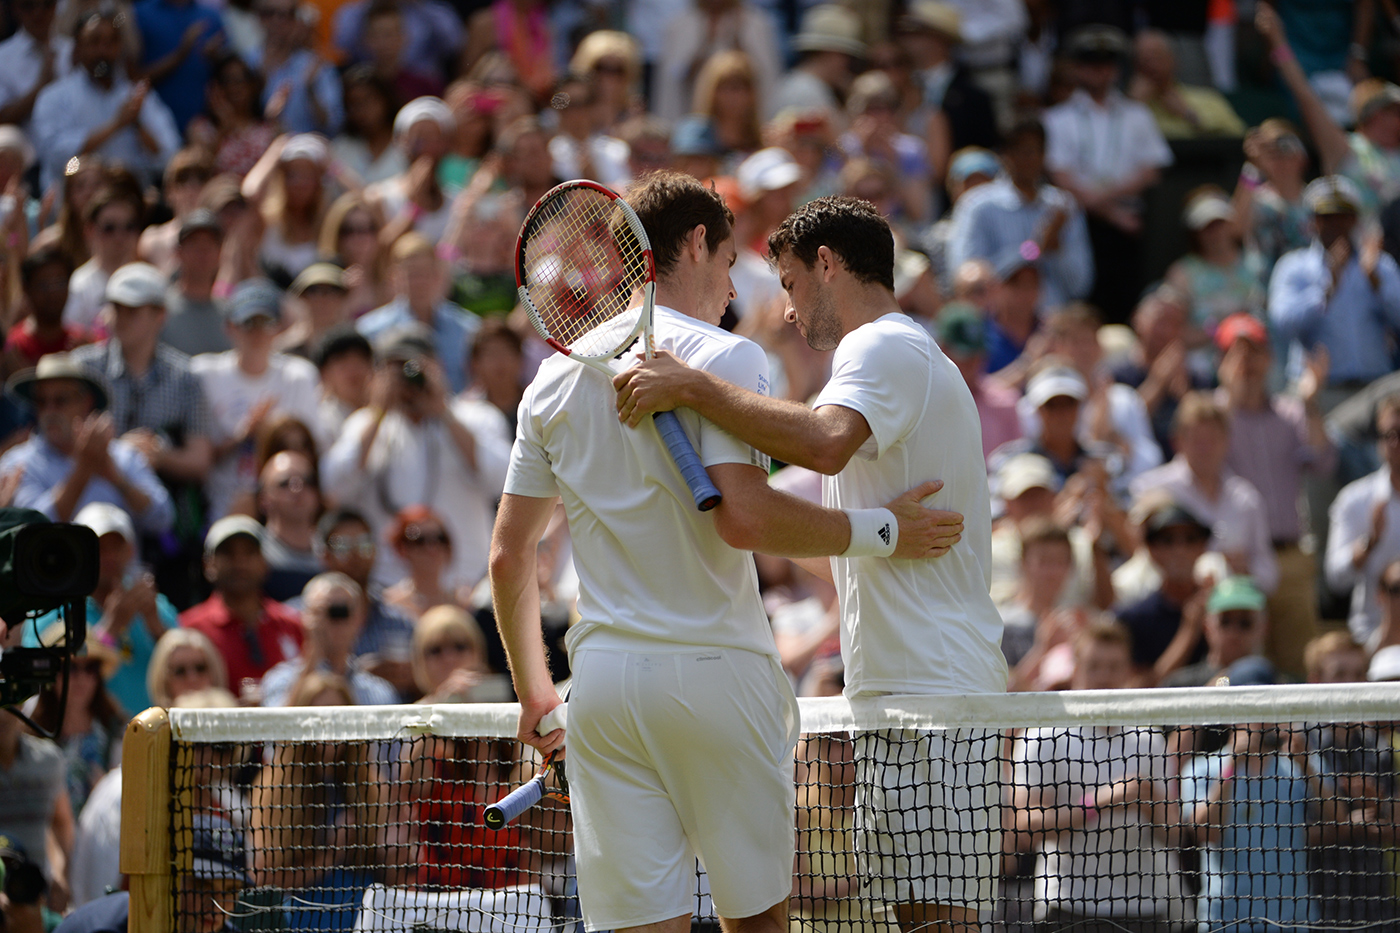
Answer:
[(318, 273), (424, 108), (1332, 194), (254, 298), (1053, 383), (1024, 472), (1385, 664), (200, 219), (305, 146), (406, 342), (973, 160), (1205, 210), (960, 328), (136, 285), (1097, 43), (1251, 671), (1369, 97), (105, 518), (1236, 592), (766, 170), (231, 526), (1241, 325), (695, 136), (217, 849)]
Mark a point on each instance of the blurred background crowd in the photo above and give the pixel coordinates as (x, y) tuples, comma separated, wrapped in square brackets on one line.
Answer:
[(261, 331)]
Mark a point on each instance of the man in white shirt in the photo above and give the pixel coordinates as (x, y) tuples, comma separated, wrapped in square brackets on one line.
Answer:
[(1106, 150), (35, 56), (96, 108), (672, 646), (248, 386), (896, 410)]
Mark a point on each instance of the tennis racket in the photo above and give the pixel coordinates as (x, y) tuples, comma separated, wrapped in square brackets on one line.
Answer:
[(585, 274), (506, 810)]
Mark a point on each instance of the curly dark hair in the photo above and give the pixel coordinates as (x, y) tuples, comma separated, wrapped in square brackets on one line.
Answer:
[(670, 205), (850, 227)]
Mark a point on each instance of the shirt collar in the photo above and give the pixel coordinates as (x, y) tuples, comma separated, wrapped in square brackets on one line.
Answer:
[(1081, 99)]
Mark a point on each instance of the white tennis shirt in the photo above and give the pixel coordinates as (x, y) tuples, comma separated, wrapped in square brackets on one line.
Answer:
[(650, 565), (914, 626)]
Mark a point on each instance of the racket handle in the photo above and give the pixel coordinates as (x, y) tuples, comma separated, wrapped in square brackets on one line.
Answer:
[(504, 811), (683, 452)]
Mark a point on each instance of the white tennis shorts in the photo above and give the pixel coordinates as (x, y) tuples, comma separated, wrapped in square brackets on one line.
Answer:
[(677, 753), (928, 816)]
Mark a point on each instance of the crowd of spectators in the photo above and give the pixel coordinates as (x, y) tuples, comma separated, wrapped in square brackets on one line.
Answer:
[(261, 334)]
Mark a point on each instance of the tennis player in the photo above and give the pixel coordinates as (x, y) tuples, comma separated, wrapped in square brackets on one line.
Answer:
[(681, 721), (895, 408)]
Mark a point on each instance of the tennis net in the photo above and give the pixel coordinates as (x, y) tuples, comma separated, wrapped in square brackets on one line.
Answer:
[(1235, 808)]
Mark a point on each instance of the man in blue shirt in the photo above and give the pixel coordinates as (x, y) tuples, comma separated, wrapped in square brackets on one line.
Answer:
[(174, 35)]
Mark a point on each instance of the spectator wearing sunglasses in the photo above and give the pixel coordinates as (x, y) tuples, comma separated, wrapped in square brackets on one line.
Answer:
[(289, 499), (184, 662), (421, 540), (112, 225), (1234, 628), (334, 616)]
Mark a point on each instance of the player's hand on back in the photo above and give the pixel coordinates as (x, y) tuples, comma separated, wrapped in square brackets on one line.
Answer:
[(924, 532), (653, 385)]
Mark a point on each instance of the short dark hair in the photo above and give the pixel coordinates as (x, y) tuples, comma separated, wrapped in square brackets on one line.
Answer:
[(337, 517), (337, 342), (380, 8), (671, 205), (1030, 126), (41, 257), (494, 328), (114, 194), (851, 228)]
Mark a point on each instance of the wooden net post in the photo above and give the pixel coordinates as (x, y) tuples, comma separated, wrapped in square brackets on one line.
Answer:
[(145, 843)]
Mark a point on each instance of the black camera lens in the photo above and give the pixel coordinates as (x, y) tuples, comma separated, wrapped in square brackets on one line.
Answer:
[(413, 374), (56, 561)]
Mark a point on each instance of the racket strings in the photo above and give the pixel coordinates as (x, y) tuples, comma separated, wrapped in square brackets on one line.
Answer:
[(583, 269)]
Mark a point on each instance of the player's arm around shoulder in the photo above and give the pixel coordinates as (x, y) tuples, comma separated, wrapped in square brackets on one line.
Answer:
[(822, 440)]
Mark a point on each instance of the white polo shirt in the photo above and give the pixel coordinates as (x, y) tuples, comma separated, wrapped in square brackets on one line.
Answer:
[(650, 566), (914, 626)]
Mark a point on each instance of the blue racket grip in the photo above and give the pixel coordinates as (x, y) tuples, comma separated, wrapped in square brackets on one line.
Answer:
[(504, 811), (683, 452)]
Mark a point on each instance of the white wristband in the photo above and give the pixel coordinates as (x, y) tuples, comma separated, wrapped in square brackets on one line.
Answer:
[(874, 533)]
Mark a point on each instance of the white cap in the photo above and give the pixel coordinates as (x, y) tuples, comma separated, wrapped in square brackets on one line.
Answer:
[(424, 108), (766, 170), (229, 526), (12, 137), (1385, 664), (1023, 472), (1054, 382), (136, 285), (306, 146), (105, 518), (1206, 210)]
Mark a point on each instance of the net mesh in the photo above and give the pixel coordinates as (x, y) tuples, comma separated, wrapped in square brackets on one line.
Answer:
[(1239, 809), (582, 265)]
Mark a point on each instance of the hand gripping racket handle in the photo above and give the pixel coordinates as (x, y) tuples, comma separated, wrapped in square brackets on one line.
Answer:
[(683, 452), (504, 811)]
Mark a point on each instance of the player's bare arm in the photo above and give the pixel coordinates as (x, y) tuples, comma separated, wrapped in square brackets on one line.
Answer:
[(515, 593), (756, 517), (822, 440)]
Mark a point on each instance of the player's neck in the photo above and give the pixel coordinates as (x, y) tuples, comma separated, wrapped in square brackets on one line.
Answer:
[(864, 303)]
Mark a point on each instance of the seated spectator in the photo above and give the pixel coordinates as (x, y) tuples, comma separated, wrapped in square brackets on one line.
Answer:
[(321, 292), (1047, 562), (232, 128), (962, 335), (1182, 111), (186, 174), (184, 662), (1200, 479), (1020, 211), (33, 804), (251, 631), (345, 362), (365, 145), (125, 613), (421, 541), (479, 112), (414, 199), (829, 44), (89, 728), (1269, 196), (95, 108), (347, 546), (727, 95), (614, 60), (383, 38), (497, 364), (1096, 804), (112, 227), (1216, 276), (1338, 293), (449, 656), (75, 457), (580, 149), (413, 445), (36, 55), (301, 91), (1364, 535), (288, 186), (1251, 804), (1056, 393), (1336, 657), (350, 238), (695, 149), (83, 178), (248, 385), (1161, 369), (875, 134), (419, 285), (289, 498), (44, 276), (1165, 616), (1274, 441), (1233, 627), (194, 319), (333, 611), (432, 31)]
